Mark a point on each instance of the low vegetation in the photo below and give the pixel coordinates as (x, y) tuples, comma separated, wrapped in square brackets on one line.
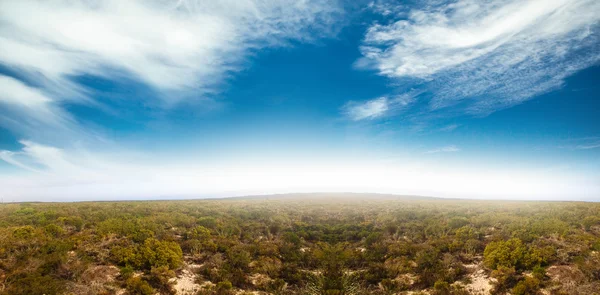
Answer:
[(321, 244)]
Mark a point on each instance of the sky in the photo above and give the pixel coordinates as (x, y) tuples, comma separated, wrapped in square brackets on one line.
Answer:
[(160, 99)]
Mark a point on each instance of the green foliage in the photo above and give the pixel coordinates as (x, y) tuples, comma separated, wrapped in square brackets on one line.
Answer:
[(53, 230), (24, 232), (590, 221), (298, 247), (292, 238), (153, 253), (157, 253), (126, 272), (137, 286), (527, 286), (224, 288), (429, 266), (505, 278), (199, 233), (510, 253), (457, 222), (33, 284), (160, 279), (513, 253), (441, 288), (239, 258)]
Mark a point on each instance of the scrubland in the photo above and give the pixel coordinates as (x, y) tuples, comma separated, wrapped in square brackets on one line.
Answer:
[(330, 244)]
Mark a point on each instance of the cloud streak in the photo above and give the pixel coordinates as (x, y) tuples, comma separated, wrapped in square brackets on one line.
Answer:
[(445, 149), (169, 45), (378, 107), (181, 50), (30, 111), (366, 110), (485, 56)]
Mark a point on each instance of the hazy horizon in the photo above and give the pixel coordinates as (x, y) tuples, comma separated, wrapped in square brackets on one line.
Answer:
[(111, 100)]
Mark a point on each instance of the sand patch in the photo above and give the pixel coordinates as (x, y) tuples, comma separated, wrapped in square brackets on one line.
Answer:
[(185, 283), (481, 284)]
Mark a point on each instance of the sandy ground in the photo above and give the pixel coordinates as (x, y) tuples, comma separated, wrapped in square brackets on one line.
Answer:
[(185, 282), (480, 284)]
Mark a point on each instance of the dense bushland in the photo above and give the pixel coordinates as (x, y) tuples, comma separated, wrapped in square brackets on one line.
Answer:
[(305, 244)]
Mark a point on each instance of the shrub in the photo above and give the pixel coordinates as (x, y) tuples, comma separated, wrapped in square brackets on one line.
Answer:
[(224, 287), (505, 278), (137, 286), (24, 232), (509, 253), (153, 253), (157, 253), (160, 279), (441, 288), (53, 230), (34, 284), (527, 286)]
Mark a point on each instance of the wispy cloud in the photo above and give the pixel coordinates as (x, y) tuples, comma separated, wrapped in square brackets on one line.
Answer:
[(587, 143), (581, 143), (378, 107), (588, 146), (31, 112), (445, 149), (487, 55), (449, 128), (180, 49), (366, 110), (170, 45)]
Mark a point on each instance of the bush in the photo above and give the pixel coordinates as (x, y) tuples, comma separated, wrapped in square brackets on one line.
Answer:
[(137, 286), (224, 287), (527, 286), (160, 279), (34, 284), (441, 288), (24, 232), (157, 253), (153, 253), (508, 254), (53, 230), (126, 272), (505, 278)]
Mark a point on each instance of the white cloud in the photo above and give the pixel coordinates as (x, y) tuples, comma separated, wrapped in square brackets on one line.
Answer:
[(181, 49), (494, 54), (370, 109), (588, 143), (588, 147), (16, 93), (445, 149), (449, 128), (580, 143), (173, 46), (378, 107), (30, 111)]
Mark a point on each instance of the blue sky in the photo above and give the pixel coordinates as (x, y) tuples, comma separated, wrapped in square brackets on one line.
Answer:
[(184, 99)]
